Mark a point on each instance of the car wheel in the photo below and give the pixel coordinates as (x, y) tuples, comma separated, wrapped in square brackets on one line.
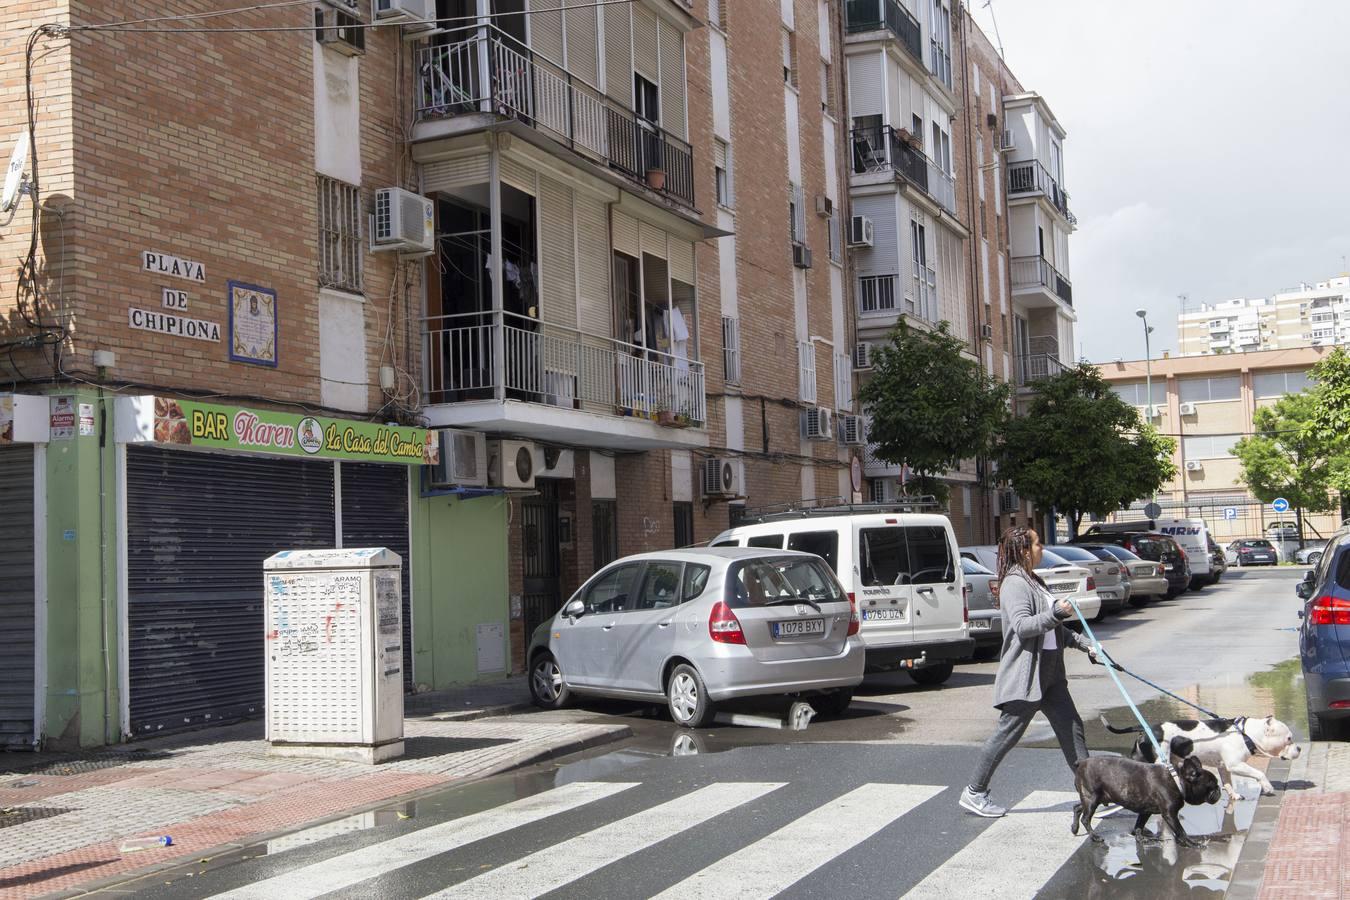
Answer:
[(547, 687), (832, 704), (932, 675), (688, 698), (1314, 558)]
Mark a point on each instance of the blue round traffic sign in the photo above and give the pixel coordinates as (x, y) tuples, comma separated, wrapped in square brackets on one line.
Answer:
[(1280, 505)]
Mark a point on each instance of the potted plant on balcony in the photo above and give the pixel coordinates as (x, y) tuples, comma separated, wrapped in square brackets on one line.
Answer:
[(656, 178)]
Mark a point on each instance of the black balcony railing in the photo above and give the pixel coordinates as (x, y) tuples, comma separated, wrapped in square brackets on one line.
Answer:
[(877, 148), (1030, 177), (870, 15), (1036, 271)]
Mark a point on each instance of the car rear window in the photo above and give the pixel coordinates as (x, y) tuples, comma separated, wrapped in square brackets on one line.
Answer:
[(1262, 545), (780, 580), (1050, 558), (912, 554), (767, 541), (1120, 553), (1074, 554), (824, 544), (1149, 548)]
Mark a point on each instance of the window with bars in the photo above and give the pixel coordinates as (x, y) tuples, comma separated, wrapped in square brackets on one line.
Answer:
[(806, 358), (836, 238), (722, 171), (843, 382), (340, 252), (796, 213), (684, 523), (731, 349)]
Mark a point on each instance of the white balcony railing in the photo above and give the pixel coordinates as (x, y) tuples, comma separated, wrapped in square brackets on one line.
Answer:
[(542, 363)]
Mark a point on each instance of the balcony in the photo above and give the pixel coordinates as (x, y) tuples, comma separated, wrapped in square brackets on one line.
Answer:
[(510, 373), (1034, 274), (492, 74), (1040, 361), (881, 297), (881, 148), (874, 15), (1029, 177)]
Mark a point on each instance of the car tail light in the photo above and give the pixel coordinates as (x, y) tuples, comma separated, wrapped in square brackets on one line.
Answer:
[(723, 626), (1092, 583), (965, 602), (1162, 570), (1339, 704), (853, 620), (1328, 610)]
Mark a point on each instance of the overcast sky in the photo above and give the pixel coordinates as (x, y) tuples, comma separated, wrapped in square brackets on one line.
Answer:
[(1208, 149)]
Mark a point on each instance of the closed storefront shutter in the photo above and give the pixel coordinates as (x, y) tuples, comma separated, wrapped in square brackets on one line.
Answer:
[(558, 259), (16, 597), (375, 514), (199, 526)]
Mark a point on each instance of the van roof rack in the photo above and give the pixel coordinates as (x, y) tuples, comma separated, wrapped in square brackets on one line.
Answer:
[(834, 506)]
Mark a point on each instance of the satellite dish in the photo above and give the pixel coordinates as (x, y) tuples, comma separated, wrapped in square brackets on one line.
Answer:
[(14, 174)]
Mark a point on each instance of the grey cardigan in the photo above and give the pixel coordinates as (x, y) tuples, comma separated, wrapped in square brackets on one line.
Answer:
[(1028, 615)]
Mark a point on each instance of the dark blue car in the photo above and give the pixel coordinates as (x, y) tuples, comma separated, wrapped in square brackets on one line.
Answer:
[(1324, 640)]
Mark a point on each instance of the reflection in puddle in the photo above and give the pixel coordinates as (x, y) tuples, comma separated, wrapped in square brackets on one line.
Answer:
[(346, 825)]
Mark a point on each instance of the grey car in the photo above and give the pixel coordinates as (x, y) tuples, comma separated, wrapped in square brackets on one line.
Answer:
[(986, 622), (1310, 553), (1143, 578), (1107, 574), (695, 627)]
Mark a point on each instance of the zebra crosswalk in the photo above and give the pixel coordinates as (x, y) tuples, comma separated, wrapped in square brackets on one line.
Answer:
[(754, 838)]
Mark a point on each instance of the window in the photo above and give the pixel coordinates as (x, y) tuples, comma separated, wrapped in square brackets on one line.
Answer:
[(984, 221), (1201, 390), (824, 544), (930, 556), (684, 523), (883, 555), (717, 13), (610, 592), (836, 239), (660, 586), (340, 252), (731, 349), (806, 359), (647, 98), (771, 541), (826, 88), (695, 580), (1208, 446), (1276, 384), (843, 382), (722, 171), (765, 582), (789, 58), (796, 213), (916, 126), (1136, 393), (604, 532), (922, 301)]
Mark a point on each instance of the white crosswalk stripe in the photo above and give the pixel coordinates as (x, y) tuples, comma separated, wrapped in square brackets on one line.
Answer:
[(773, 863), (556, 866), (1038, 829), (386, 856)]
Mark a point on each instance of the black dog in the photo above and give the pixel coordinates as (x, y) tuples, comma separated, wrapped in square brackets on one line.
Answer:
[(1143, 788)]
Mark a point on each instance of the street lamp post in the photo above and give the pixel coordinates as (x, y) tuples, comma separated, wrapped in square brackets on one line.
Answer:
[(1148, 374)]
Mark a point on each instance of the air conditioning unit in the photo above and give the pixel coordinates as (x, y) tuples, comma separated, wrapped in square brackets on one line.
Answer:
[(801, 256), (403, 221), (824, 206), (1187, 409), (987, 331), (1008, 501), (1194, 465), (1006, 141), (1155, 411), (558, 463), (862, 355), (818, 424), (408, 12), (853, 430), (341, 31), (860, 232), (512, 464), (463, 459), (991, 119), (723, 477)]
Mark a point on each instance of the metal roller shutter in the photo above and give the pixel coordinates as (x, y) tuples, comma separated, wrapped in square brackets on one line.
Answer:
[(618, 53), (546, 30), (582, 34), (624, 231), (558, 255), (199, 526), (17, 597), (672, 79), (596, 306), (448, 174), (646, 56), (375, 514)]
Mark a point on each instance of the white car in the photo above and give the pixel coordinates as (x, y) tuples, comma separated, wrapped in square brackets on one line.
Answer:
[(1064, 580)]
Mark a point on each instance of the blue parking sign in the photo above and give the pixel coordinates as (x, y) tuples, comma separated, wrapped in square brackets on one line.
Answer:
[(1280, 505), (1230, 513)]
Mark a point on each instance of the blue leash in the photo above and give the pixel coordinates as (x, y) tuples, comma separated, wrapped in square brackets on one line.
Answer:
[(1157, 687)]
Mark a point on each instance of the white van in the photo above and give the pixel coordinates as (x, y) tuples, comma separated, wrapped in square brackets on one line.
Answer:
[(1191, 534), (903, 572)]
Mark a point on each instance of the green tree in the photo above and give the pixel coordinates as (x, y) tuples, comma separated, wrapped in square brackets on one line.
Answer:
[(930, 405), (1330, 420), (1289, 456), (1080, 449)]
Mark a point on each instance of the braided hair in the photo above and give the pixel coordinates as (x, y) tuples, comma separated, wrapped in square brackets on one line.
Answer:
[(1014, 552)]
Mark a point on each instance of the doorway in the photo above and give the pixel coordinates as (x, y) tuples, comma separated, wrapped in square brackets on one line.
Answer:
[(542, 554)]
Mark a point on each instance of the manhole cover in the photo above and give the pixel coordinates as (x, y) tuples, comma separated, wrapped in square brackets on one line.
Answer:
[(20, 814)]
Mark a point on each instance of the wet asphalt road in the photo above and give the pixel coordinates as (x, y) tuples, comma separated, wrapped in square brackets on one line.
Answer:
[(860, 807)]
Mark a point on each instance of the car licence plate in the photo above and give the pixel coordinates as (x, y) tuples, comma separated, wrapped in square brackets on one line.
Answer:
[(877, 615), (1065, 587), (798, 627), (980, 624)]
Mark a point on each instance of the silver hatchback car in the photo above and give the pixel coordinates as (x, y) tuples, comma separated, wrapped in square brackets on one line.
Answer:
[(694, 627)]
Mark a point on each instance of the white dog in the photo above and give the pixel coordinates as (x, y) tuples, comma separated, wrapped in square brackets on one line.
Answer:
[(1223, 744)]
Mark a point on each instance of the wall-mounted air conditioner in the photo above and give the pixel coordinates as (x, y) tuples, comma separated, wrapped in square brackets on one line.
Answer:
[(558, 463), (853, 430), (463, 460), (407, 12), (818, 424), (860, 232), (1155, 411), (1194, 465), (801, 256), (862, 355), (403, 221), (512, 464), (1187, 409), (824, 206), (723, 477), (340, 31)]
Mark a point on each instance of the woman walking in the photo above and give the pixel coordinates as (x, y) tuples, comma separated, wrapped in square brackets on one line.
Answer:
[(1031, 674)]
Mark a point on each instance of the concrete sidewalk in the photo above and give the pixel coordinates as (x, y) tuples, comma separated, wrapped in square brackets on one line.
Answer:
[(1300, 841), (62, 817)]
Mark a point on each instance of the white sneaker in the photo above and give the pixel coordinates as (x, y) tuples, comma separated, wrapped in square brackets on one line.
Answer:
[(980, 804)]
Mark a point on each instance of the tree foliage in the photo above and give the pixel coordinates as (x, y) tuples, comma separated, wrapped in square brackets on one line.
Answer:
[(1080, 449), (930, 405), (1288, 456), (1330, 418)]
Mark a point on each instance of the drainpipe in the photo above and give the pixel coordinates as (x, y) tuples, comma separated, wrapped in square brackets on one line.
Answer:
[(103, 566)]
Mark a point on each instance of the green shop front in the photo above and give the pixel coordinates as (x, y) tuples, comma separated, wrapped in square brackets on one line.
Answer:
[(206, 493)]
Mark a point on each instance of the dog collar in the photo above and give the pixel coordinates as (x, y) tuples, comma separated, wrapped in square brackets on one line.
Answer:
[(1240, 725)]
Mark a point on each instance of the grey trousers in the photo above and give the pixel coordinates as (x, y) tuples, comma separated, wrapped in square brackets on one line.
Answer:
[(1016, 715)]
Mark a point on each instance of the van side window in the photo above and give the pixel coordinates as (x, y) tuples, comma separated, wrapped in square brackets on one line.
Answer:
[(774, 541), (930, 556), (883, 557), (824, 544)]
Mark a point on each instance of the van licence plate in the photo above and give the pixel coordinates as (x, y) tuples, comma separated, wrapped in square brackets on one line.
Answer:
[(798, 627), (878, 615), (980, 624)]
